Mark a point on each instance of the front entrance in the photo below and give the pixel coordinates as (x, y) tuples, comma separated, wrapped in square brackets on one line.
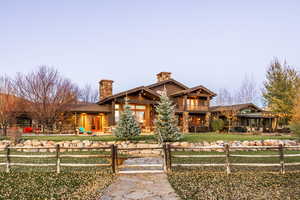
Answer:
[(97, 123)]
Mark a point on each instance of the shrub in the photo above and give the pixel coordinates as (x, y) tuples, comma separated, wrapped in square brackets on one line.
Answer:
[(217, 125), (295, 127)]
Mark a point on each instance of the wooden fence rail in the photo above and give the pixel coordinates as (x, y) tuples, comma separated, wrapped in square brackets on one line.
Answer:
[(167, 153), (58, 157), (227, 155)]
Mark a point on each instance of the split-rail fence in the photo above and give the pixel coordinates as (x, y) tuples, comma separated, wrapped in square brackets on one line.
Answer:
[(167, 152)]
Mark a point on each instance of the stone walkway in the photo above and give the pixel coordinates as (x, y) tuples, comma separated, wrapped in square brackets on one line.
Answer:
[(140, 186)]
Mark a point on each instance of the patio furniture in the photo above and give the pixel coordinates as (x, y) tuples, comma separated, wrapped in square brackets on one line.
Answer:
[(82, 130)]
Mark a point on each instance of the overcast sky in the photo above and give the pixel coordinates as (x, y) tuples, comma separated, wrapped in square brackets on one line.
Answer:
[(212, 43)]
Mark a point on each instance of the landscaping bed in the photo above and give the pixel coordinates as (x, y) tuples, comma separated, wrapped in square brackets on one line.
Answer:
[(49, 185)]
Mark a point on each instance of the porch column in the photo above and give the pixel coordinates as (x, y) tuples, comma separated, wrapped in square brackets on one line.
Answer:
[(112, 118), (185, 123), (185, 103), (207, 119)]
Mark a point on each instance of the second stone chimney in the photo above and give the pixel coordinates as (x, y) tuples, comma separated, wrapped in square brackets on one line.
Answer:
[(162, 76), (105, 88)]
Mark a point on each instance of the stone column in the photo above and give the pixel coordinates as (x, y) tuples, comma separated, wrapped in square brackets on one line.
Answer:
[(207, 119), (185, 126)]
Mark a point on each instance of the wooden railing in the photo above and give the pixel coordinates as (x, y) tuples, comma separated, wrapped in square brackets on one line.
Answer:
[(58, 157), (192, 108), (227, 154)]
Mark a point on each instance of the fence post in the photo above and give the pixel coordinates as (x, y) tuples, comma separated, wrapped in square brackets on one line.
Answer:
[(57, 159), (281, 154), (7, 159), (169, 157), (113, 158), (228, 171)]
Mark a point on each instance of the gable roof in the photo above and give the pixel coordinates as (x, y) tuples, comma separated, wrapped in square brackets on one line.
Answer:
[(128, 92), (187, 91), (233, 107), (167, 81)]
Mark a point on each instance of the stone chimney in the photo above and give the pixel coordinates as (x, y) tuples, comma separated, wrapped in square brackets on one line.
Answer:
[(162, 76), (105, 88)]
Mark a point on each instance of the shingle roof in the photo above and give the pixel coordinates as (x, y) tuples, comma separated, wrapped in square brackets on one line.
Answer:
[(233, 107)]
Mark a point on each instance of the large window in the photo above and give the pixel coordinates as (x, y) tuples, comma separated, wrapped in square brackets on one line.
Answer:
[(138, 111)]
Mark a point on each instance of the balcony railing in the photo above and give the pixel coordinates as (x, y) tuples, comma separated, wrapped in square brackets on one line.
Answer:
[(192, 108)]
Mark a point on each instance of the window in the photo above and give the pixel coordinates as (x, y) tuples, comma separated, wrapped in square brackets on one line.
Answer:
[(137, 110)]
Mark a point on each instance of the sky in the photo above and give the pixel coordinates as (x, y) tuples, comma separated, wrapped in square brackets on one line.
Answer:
[(202, 42)]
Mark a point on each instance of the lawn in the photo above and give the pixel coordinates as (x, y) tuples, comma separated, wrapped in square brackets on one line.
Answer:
[(43, 183), (47, 185), (193, 183), (210, 137), (197, 184), (195, 137)]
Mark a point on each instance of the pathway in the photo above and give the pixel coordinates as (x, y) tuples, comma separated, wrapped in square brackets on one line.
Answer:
[(141, 186)]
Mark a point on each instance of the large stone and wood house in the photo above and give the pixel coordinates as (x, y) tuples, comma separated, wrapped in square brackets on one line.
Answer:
[(192, 108)]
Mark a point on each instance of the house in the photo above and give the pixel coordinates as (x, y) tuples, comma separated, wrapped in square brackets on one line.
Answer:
[(192, 107), (245, 118)]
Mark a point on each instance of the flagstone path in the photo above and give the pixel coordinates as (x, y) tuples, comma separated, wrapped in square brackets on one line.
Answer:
[(140, 186)]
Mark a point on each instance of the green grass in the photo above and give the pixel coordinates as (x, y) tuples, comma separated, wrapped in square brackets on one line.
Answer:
[(47, 185), (201, 185), (210, 137), (107, 138), (197, 137), (3, 138)]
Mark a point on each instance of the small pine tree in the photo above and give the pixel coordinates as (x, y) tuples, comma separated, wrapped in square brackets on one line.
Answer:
[(166, 122), (127, 126)]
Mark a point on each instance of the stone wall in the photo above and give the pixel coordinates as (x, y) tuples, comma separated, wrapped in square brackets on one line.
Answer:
[(141, 144)]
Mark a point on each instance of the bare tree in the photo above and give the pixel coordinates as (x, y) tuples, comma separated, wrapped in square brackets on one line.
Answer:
[(48, 95), (8, 103), (248, 92), (88, 94), (224, 97)]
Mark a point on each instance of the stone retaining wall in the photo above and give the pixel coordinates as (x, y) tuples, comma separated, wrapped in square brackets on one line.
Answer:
[(140, 144)]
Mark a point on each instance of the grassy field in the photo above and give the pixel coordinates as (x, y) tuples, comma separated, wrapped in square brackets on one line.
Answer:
[(196, 137), (44, 183)]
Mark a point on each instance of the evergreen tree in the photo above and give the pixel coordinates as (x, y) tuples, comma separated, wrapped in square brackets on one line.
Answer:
[(127, 126), (280, 88), (166, 122)]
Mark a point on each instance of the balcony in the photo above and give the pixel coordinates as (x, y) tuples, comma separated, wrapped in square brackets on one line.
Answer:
[(192, 108)]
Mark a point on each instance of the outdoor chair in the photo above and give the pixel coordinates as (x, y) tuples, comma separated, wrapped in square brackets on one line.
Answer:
[(82, 130)]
